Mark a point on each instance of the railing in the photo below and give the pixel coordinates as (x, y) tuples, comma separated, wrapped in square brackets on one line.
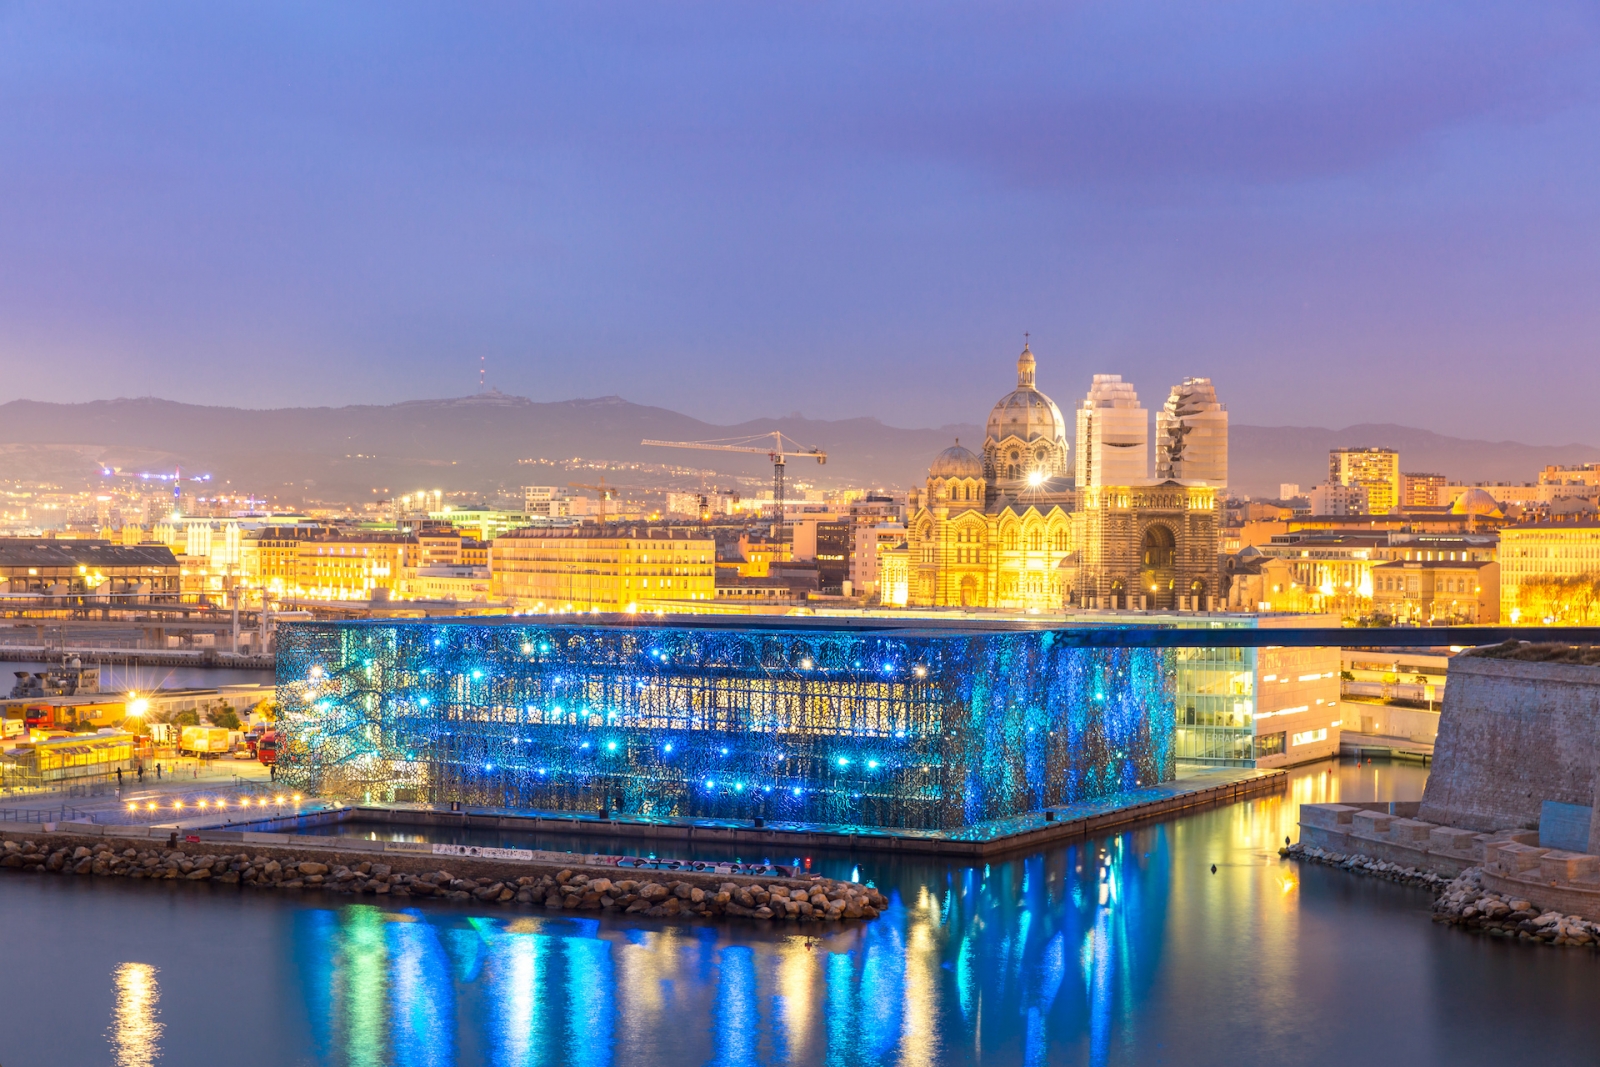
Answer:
[(43, 815)]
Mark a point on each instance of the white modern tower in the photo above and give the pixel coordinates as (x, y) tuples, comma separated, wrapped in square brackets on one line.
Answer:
[(1192, 435), (1113, 435)]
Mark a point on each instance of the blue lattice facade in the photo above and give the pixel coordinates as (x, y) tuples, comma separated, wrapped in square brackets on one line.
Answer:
[(928, 728)]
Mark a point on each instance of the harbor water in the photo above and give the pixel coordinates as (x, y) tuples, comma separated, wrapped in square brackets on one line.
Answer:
[(1129, 949)]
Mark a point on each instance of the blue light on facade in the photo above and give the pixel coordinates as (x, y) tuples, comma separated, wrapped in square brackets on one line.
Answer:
[(940, 727)]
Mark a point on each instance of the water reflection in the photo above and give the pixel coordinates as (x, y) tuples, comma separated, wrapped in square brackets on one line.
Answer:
[(1050, 958), (1022, 958), (135, 1032)]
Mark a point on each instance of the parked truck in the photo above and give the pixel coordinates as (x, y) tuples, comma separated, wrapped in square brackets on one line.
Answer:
[(205, 740), (267, 748)]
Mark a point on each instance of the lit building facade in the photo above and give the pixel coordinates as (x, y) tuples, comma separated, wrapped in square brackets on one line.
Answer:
[(485, 524), (1550, 572), (993, 530), (622, 569), (1142, 542), (1271, 707), (1422, 490), (1336, 499), (1375, 469), (87, 568), (308, 562), (1437, 591), (928, 727), (1149, 545)]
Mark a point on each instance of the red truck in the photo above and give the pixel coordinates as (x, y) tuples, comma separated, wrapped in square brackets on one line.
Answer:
[(266, 747)]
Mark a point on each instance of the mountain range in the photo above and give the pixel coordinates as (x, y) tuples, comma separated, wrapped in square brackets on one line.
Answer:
[(493, 442)]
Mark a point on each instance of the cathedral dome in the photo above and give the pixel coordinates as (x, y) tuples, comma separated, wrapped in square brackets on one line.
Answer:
[(1026, 413), (1476, 502), (956, 462)]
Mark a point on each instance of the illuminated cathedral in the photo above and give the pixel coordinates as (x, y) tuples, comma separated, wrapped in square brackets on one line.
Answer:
[(994, 530), (1020, 528)]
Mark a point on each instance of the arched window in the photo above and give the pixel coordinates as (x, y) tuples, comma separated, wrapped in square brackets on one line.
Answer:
[(1010, 540), (1035, 540)]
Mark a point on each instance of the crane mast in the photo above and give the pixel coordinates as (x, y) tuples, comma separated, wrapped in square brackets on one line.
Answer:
[(777, 451)]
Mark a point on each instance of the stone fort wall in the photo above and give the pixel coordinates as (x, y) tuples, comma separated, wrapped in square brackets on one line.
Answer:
[(1512, 735)]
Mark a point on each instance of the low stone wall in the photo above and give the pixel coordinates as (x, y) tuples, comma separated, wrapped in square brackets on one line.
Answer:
[(573, 887), (1509, 862), (1371, 830)]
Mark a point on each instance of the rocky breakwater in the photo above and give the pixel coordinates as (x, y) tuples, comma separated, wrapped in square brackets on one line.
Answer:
[(1510, 861), (1466, 902), (1368, 865), (568, 889)]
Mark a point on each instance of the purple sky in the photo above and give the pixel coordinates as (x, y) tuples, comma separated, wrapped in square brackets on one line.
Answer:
[(1342, 212)]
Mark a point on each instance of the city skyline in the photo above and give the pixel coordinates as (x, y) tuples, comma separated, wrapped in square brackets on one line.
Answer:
[(1329, 217)]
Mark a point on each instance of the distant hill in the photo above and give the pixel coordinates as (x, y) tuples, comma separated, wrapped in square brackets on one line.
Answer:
[(475, 444), (1261, 457), (471, 443)]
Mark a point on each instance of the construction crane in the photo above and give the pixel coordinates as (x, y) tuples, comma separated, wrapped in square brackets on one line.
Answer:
[(776, 452), (606, 493)]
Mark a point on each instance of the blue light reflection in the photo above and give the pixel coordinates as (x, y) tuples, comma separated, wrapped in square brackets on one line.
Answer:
[(1035, 961)]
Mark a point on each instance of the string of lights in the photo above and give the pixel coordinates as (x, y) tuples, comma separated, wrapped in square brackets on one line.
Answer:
[(909, 729), (205, 805)]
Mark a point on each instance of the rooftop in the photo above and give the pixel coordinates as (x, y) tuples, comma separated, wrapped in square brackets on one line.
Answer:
[(16, 552), (1121, 630)]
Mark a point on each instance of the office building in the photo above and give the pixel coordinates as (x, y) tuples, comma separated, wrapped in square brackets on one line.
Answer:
[(1142, 542), (617, 568), (1113, 435), (545, 502), (1422, 490), (1336, 499), (1550, 573), (832, 556), (1375, 469), (1192, 436), (1586, 474)]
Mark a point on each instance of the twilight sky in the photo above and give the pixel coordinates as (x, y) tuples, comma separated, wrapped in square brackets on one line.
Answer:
[(1342, 212)]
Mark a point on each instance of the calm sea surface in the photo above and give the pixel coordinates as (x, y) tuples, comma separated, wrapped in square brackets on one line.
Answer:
[(1125, 950)]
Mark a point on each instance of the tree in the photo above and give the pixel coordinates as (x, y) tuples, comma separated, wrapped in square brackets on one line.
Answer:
[(223, 715), (186, 718)]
